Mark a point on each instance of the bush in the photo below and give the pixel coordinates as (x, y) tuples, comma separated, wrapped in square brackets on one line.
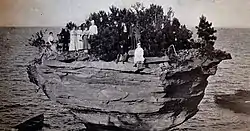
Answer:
[(37, 39)]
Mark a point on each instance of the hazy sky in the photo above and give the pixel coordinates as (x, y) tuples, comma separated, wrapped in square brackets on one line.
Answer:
[(223, 13)]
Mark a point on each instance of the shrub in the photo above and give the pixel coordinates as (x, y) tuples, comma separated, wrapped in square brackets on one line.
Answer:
[(37, 39)]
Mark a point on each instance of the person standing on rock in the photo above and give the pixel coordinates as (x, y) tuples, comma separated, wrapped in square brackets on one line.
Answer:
[(86, 45), (137, 34), (124, 39), (73, 40), (124, 32), (59, 43), (132, 42), (79, 43), (138, 55), (93, 30), (65, 39)]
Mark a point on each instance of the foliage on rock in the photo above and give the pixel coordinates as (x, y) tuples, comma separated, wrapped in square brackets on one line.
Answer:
[(37, 39), (157, 30)]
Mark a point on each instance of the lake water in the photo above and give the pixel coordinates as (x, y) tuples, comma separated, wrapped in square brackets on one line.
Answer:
[(19, 99)]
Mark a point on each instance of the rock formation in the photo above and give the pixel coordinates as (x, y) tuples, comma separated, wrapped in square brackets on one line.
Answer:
[(109, 96), (238, 102)]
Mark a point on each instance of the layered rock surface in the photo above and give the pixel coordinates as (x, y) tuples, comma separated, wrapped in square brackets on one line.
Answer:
[(109, 96)]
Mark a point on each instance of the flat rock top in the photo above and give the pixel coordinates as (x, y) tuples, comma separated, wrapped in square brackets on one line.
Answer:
[(126, 67)]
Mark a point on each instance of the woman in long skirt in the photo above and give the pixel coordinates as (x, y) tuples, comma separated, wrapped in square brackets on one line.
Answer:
[(79, 45), (73, 40)]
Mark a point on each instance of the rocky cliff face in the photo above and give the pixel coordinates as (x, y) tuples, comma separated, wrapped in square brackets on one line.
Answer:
[(106, 96)]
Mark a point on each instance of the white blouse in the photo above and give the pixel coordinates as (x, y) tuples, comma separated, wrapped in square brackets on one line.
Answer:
[(50, 38), (93, 30)]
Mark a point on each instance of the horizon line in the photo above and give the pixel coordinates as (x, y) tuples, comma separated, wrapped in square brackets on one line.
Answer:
[(58, 26)]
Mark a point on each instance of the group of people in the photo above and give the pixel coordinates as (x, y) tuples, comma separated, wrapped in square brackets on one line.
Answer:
[(78, 39), (132, 36), (72, 40)]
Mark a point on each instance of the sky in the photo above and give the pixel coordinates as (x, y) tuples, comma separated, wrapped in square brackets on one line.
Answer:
[(222, 13)]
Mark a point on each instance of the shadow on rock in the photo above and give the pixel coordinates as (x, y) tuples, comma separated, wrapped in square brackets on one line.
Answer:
[(32, 124)]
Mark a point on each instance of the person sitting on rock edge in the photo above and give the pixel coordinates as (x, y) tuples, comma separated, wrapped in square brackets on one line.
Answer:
[(120, 52), (138, 55), (49, 44), (50, 38)]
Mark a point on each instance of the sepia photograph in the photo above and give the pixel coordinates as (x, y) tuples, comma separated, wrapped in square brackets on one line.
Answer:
[(124, 65)]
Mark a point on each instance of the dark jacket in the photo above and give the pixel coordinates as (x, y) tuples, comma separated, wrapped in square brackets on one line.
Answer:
[(65, 36), (120, 49)]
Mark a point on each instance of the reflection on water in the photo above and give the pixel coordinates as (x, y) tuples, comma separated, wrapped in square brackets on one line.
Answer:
[(19, 99)]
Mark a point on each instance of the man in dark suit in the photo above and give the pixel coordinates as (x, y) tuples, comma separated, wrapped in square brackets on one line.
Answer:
[(124, 40), (65, 39)]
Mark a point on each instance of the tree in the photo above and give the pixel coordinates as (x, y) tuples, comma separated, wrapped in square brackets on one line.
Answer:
[(70, 25), (206, 35), (114, 16), (150, 21), (138, 7)]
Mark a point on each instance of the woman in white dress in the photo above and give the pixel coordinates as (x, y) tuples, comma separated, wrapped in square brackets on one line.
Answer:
[(139, 55), (79, 45), (73, 40)]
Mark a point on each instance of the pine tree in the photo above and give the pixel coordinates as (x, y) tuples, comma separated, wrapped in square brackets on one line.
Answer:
[(206, 34), (179, 35)]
